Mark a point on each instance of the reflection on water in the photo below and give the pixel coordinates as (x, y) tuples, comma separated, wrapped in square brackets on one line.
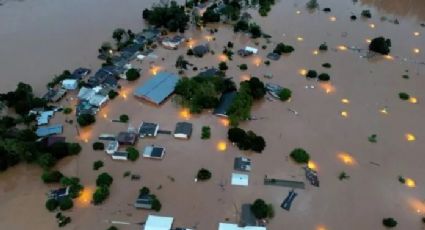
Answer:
[(411, 8)]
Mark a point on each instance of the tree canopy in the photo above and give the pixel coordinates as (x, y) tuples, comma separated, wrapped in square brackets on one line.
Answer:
[(380, 45), (261, 209), (171, 16), (299, 155)]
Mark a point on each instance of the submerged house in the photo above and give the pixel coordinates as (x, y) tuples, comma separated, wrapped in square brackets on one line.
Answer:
[(80, 73), (242, 164), (226, 101), (273, 89), (148, 129), (154, 152), (49, 130), (247, 51), (239, 179), (70, 84), (157, 89), (44, 117), (120, 156), (159, 223), (201, 50), (54, 95), (211, 72), (229, 226), (144, 201), (112, 147), (172, 43), (127, 138), (183, 130), (58, 194)]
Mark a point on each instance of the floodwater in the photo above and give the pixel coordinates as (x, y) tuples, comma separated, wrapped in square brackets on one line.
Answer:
[(58, 35)]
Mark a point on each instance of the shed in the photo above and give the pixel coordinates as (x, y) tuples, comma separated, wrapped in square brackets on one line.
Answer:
[(183, 130), (154, 152), (201, 50), (148, 129), (242, 164), (226, 101), (158, 88), (49, 130), (158, 223), (120, 156), (240, 179), (229, 226), (112, 147), (144, 202), (127, 138), (70, 84)]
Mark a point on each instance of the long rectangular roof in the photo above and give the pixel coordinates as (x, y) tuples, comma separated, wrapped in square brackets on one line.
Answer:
[(49, 130), (228, 226), (158, 223), (158, 88), (226, 101)]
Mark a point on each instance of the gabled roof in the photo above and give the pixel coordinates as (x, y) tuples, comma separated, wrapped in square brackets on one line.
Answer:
[(127, 138), (86, 93), (226, 101), (158, 223), (184, 128), (148, 129), (158, 88)]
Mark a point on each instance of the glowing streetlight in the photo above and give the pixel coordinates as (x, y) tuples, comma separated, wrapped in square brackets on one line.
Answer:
[(312, 165), (409, 182), (346, 158), (416, 50), (315, 52), (413, 100), (389, 57), (225, 122), (344, 114), (221, 146), (368, 40), (416, 34), (300, 39), (410, 137), (298, 12), (185, 114), (342, 48), (345, 101), (372, 25), (302, 72), (384, 111), (332, 18)]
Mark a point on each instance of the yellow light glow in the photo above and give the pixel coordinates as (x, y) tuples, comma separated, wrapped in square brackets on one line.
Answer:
[(245, 77), (409, 182), (413, 100), (332, 18), (345, 101), (327, 87), (384, 111), (298, 12), (190, 43), (209, 38), (312, 165), (221, 146), (315, 52), (225, 122), (417, 205), (372, 25), (410, 137), (342, 48), (389, 57), (257, 61), (105, 115), (416, 50), (416, 34), (124, 96), (302, 72), (346, 158), (300, 39), (344, 114), (185, 114), (368, 40), (85, 197), (86, 140), (321, 227), (154, 70), (222, 57)]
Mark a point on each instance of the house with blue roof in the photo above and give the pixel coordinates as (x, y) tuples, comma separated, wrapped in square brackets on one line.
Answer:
[(158, 88), (49, 130)]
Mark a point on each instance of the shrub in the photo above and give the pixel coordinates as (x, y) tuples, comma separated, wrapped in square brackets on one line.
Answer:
[(311, 74), (206, 132), (52, 204), (104, 179), (285, 94), (203, 175), (86, 120), (66, 203), (343, 176), (98, 146), (236, 135), (223, 66), (389, 222), (156, 205), (112, 94), (230, 45), (132, 74), (51, 176), (255, 30), (101, 194), (366, 14), (282, 48), (133, 154), (327, 10), (73, 148), (144, 191), (353, 17), (97, 165), (326, 65), (323, 47), (241, 25), (267, 62), (261, 210), (324, 77), (404, 96), (372, 138), (312, 4), (243, 67), (189, 52), (300, 156), (257, 143), (67, 110), (124, 118), (380, 45), (112, 228)]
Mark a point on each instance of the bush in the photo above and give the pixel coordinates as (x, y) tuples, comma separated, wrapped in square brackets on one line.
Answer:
[(282, 48), (156, 205), (73, 148), (189, 52), (124, 118), (326, 65), (380, 45), (312, 4), (112, 228), (52, 204), (98, 146), (261, 210), (67, 110), (100, 195), (267, 62), (230, 44), (51, 176), (255, 30), (112, 94), (97, 165), (366, 14), (203, 175), (300, 156), (353, 17), (206, 132), (311, 74), (285, 94), (132, 74), (241, 25), (46, 160), (236, 135), (66, 203), (324, 77), (243, 67), (86, 120), (104, 179), (223, 66), (389, 222), (323, 47), (257, 143), (144, 191), (133, 154), (404, 96)]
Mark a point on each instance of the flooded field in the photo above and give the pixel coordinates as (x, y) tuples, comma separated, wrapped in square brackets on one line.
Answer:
[(39, 39)]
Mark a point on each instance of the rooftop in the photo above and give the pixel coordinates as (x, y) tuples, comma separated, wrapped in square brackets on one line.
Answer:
[(226, 101), (49, 130), (184, 128), (158, 223), (148, 129), (127, 138), (153, 152), (158, 88)]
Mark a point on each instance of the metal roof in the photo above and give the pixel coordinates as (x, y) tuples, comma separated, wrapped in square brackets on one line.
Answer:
[(226, 101), (158, 223), (183, 128), (49, 130), (158, 88)]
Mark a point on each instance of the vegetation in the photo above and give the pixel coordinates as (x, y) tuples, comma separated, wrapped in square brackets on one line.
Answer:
[(241, 25), (228, 52), (243, 67), (124, 118), (189, 52), (203, 174), (22, 100), (389, 222), (366, 14), (285, 94), (210, 15), (206, 132), (133, 154), (223, 66), (261, 210), (252, 28), (372, 138), (112, 94), (52, 204), (62, 220), (404, 96), (171, 16), (58, 79), (326, 65), (283, 49), (181, 63), (323, 47), (311, 74), (98, 146), (144, 191), (246, 140), (67, 110), (324, 77), (300, 156), (112, 228), (74, 186), (380, 45), (401, 179), (97, 165), (65, 203), (100, 195), (267, 62), (51, 176), (312, 4), (343, 176), (132, 74), (86, 120), (104, 179), (156, 204), (265, 6)]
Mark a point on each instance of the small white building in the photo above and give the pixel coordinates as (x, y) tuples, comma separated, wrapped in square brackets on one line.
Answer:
[(154, 152), (228, 226), (98, 100), (112, 147), (70, 84), (240, 179), (158, 223), (251, 49), (120, 156)]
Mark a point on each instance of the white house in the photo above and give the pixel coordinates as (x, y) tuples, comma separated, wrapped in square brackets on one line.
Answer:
[(98, 100), (112, 147), (240, 179), (120, 156), (228, 226), (154, 152), (70, 84), (158, 223), (251, 49)]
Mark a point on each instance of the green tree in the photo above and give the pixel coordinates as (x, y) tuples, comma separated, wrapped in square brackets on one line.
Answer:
[(261, 210), (52, 204), (144, 191), (133, 154), (236, 135), (243, 67), (98, 146), (124, 118), (132, 74), (171, 16), (389, 222), (66, 203), (203, 174), (86, 120), (283, 49), (404, 96), (285, 94), (258, 144), (112, 228), (118, 34), (73, 148), (46, 160), (380, 45), (51, 176), (67, 110), (104, 179), (206, 132), (324, 77), (241, 25), (97, 165), (299, 155), (100, 195), (223, 66), (255, 30)]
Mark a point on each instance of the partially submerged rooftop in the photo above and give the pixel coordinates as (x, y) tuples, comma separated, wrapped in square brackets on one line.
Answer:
[(148, 129), (226, 101), (155, 152), (183, 130), (158, 88)]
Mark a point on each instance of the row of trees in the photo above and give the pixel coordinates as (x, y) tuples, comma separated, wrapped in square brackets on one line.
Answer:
[(22, 99), (103, 182), (252, 28), (246, 140), (171, 16)]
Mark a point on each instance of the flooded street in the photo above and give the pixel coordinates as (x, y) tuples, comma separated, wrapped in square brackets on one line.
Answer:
[(39, 39)]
